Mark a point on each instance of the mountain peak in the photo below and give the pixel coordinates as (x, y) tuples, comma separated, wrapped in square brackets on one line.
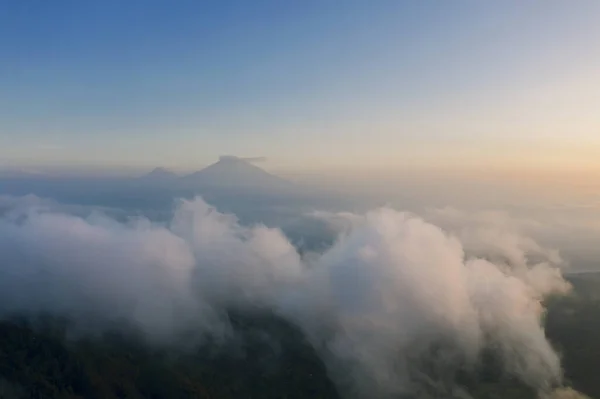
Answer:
[(233, 159), (160, 173), (229, 158), (235, 172)]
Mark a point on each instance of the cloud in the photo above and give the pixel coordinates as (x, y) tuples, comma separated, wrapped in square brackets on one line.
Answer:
[(390, 290), (494, 235), (246, 159), (567, 393), (416, 283)]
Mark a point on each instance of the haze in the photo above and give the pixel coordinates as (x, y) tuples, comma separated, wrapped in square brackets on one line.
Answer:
[(403, 195), (360, 86)]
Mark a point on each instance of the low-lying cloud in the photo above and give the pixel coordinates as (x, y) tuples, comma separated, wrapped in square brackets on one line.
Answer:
[(391, 289)]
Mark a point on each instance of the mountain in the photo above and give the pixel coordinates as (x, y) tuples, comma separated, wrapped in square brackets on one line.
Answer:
[(160, 174), (233, 172), (12, 173)]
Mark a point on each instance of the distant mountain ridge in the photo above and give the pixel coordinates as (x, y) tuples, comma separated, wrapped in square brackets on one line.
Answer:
[(229, 172), (20, 173), (160, 174)]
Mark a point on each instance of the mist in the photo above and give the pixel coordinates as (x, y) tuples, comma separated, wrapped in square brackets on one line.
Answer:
[(393, 288)]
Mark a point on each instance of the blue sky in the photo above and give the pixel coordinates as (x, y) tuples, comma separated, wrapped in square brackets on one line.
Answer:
[(309, 84)]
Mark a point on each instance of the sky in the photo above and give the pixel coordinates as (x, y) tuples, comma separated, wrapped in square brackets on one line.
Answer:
[(311, 85)]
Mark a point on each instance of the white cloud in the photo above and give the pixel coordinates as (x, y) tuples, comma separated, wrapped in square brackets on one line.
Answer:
[(391, 287)]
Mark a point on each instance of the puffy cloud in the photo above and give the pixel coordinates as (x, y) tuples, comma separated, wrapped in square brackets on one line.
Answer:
[(391, 289), (567, 393), (396, 280)]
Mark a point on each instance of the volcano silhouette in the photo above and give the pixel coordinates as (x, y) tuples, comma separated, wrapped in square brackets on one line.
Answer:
[(160, 174), (233, 172)]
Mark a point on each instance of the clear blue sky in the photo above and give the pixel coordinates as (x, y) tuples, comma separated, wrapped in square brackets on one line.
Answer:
[(309, 84)]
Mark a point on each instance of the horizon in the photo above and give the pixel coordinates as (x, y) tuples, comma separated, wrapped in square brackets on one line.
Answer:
[(121, 87), (310, 199)]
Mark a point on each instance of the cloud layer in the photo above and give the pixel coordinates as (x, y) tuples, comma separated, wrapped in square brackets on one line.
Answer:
[(391, 290)]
